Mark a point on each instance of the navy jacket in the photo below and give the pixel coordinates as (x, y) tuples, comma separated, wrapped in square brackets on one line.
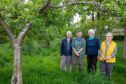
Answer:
[(92, 47), (63, 48)]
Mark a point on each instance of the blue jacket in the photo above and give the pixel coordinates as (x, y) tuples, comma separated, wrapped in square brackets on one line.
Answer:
[(92, 46), (64, 48)]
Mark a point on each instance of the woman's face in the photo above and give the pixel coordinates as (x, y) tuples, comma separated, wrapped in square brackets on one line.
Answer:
[(91, 34), (69, 35), (109, 38), (79, 34)]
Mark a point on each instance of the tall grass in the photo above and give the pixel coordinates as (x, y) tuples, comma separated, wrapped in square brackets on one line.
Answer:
[(42, 67)]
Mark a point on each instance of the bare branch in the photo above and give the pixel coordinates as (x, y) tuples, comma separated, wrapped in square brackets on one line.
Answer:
[(73, 3), (45, 6), (98, 6), (48, 4), (23, 33), (7, 29)]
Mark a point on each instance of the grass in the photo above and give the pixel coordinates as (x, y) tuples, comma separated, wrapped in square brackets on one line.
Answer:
[(42, 67)]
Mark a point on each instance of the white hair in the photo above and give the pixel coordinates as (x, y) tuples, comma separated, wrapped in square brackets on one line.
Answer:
[(91, 31), (109, 34), (69, 32)]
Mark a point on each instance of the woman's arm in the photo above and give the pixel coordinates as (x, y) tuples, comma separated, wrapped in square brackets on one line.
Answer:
[(113, 55), (115, 52), (83, 46)]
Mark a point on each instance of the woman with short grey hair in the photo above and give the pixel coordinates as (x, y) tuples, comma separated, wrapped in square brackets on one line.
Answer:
[(92, 50)]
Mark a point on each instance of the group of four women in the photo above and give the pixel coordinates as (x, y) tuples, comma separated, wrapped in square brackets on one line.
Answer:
[(72, 51)]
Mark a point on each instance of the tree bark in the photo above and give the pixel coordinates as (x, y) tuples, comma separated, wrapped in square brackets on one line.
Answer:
[(125, 41), (44, 6), (17, 65)]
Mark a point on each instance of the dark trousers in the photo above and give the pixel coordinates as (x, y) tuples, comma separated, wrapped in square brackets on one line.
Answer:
[(106, 69), (91, 61)]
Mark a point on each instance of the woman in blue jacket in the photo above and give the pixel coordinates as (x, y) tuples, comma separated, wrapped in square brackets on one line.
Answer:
[(66, 51)]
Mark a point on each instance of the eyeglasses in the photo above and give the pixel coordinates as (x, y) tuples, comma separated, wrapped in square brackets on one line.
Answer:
[(109, 36)]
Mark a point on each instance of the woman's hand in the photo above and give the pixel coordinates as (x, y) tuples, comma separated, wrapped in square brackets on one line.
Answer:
[(77, 53), (98, 57), (103, 57), (107, 57)]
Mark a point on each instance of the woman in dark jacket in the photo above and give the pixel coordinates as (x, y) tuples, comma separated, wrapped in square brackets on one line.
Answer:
[(66, 51), (92, 49)]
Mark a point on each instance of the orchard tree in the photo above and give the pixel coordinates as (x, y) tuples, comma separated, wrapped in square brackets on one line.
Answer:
[(14, 14)]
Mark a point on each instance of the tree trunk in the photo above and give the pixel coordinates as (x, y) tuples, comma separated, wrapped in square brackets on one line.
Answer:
[(17, 66), (125, 42)]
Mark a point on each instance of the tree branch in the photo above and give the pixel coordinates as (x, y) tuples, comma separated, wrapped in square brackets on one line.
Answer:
[(45, 6), (23, 33), (7, 29), (48, 4), (73, 3), (98, 6)]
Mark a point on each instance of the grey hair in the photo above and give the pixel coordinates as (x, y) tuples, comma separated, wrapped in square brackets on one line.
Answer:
[(69, 32), (91, 31), (109, 34)]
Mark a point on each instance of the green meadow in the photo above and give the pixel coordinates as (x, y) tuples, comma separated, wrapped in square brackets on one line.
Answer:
[(41, 66)]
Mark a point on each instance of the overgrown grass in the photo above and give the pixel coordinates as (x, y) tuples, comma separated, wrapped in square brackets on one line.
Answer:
[(41, 66)]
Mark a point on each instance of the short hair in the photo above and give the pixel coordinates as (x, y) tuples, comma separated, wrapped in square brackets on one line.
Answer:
[(109, 34), (68, 32), (79, 31), (91, 31)]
